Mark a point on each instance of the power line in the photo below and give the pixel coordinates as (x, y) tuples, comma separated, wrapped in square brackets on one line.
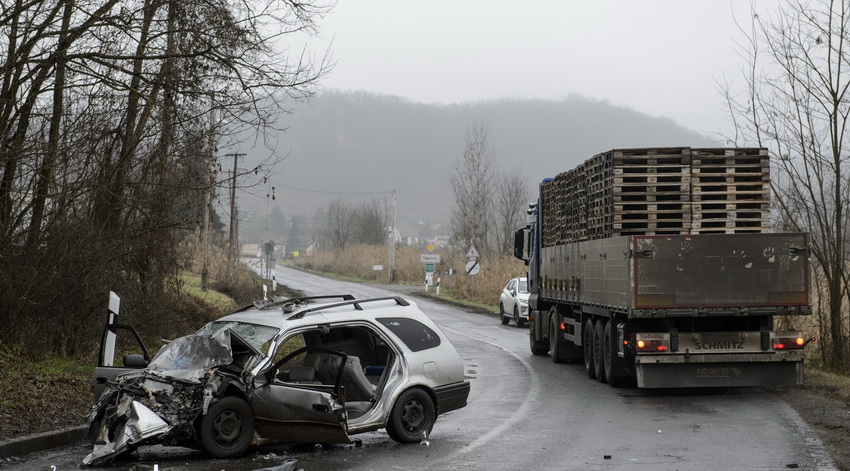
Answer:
[(308, 190)]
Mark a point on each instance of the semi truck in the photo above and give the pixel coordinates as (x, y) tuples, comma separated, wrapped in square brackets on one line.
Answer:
[(657, 268)]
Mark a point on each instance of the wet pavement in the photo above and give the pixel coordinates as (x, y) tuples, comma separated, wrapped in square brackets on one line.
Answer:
[(526, 412)]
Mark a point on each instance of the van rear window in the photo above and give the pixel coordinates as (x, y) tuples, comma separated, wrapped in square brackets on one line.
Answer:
[(416, 335)]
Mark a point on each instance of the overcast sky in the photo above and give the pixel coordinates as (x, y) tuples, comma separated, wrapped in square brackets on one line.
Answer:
[(659, 57)]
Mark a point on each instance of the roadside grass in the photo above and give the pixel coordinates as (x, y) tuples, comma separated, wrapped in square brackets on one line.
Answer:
[(832, 385), (191, 285)]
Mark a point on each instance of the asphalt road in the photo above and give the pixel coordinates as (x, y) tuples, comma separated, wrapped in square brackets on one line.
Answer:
[(526, 412)]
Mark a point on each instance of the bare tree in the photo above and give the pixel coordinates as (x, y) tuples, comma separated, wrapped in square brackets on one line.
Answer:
[(795, 102), (472, 186), (509, 209), (370, 224), (105, 113), (339, 231)]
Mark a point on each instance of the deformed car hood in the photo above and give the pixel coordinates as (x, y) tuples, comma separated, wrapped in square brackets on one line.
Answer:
[(161, 402)]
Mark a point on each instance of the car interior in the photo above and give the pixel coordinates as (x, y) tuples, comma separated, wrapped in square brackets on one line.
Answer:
[(355, 356)]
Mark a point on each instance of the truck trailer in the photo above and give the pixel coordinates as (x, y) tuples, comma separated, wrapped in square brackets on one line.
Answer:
[(657, 268)]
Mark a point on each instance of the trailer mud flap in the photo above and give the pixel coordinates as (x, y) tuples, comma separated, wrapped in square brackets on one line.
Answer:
[(721, 374)]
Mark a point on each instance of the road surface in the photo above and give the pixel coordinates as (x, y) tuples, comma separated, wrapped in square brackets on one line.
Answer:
[(526, 412)]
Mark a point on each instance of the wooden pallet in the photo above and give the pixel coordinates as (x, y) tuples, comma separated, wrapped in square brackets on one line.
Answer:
[(655, 191)]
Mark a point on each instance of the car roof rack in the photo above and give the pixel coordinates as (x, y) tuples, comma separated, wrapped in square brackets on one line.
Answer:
[(356, 303), (290, 302)]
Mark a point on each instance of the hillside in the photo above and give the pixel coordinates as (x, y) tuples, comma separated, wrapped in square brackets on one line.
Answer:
[(357, 145)]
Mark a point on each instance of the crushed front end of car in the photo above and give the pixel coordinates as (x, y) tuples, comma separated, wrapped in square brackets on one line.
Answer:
[(164, 402)]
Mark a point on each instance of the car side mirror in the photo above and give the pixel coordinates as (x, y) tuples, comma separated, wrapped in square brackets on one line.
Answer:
[(134, 360)]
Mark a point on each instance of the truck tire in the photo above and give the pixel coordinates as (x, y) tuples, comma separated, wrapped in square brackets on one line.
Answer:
[(587, 346), (598, 349), (611, 358), (554, 340), (538, 347)]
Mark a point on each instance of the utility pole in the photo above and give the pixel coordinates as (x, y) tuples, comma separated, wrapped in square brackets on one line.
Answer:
[(205, 224), (232, 248), (392, 244)]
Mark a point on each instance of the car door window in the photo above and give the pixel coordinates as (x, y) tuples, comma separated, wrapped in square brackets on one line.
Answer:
[(416, 335), (121, 350)]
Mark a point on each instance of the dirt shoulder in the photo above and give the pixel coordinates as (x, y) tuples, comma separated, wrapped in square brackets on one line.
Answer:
[(824, 404)]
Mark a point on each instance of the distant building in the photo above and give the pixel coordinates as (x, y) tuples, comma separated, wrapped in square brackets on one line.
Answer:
[(407, 234), (251, 250)]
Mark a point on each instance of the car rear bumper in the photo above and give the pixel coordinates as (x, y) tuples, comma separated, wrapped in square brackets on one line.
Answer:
[(451, 396)]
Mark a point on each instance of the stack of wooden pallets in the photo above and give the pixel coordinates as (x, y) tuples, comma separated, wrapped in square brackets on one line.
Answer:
[(730, 190), (658, 191)]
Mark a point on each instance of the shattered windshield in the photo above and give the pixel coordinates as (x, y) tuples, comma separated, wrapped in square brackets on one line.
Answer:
[(193, 352), (258, 336)]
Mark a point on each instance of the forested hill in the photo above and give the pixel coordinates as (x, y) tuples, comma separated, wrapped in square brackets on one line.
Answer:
[(343, 144)]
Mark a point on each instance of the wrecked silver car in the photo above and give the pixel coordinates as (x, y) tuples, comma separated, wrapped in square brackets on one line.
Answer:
[(169, 401), (279, 371)]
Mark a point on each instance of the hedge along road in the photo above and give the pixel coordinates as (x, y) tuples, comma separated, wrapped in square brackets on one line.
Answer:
[(525, 412)]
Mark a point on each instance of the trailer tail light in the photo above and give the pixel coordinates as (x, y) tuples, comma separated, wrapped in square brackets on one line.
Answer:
[(789, 341), (652, 343)]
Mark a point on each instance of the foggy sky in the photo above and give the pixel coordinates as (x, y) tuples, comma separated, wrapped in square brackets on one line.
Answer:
[(659, 57)]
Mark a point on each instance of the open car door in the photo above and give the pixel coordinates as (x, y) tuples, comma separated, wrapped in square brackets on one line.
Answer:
[(121, 350), (300, 400)]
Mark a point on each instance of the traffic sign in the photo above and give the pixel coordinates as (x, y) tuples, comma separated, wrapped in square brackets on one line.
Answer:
[(473, 267), (429, 268), (430, 248), (429, 258), (472, 253)]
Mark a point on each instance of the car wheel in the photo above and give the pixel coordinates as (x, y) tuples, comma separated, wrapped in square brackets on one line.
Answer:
[(227, 428), (587, 346), (610, 354), (503, 315), (518, 321), (537, 347), (599, 342), (413, 414)]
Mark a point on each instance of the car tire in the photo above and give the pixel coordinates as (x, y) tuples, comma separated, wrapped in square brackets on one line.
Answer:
[(413, 414), (503, 314), (587, 347), (599, 342), (519, 322), (227, 428), (537, 347)]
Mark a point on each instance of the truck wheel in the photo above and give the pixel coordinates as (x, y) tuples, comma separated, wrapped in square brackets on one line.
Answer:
[(598, 349), (503, 315), (610, 355), (227, 428), (587, 346), (538, 347), (555, 341)]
